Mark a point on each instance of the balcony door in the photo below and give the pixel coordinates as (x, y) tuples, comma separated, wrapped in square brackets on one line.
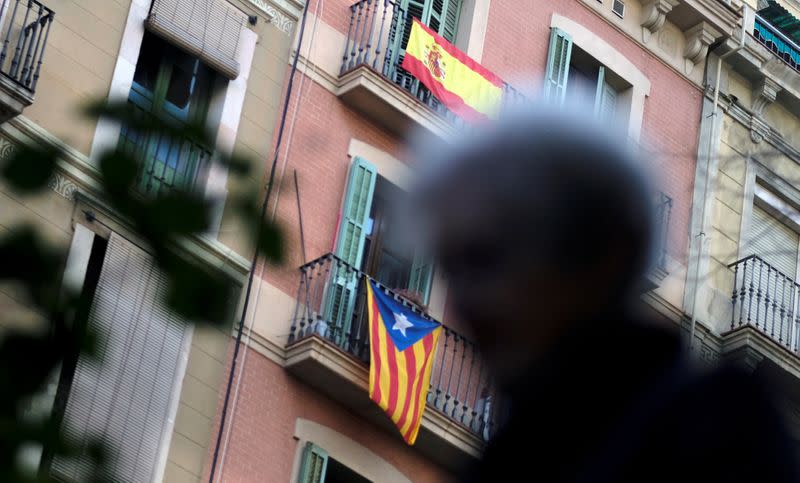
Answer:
[(176, 87), (369, 241)]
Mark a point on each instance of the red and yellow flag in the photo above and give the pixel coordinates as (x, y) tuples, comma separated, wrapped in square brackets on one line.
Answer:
[(461, 84), (402, 349)]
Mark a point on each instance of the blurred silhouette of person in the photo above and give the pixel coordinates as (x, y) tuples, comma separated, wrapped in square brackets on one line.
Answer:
[(544, 226)]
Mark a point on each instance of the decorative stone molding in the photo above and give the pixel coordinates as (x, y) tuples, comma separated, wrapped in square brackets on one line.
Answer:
[(284, 22), (7, 148), (63, 186), (654, 14), (764, 94), (698, 38), (759, 130)]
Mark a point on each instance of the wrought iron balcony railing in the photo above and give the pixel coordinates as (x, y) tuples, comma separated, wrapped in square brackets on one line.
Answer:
[(663, 214), (166, 163), (24, 41), (777, 42), (766, 299), (376, 38), (331, 305)]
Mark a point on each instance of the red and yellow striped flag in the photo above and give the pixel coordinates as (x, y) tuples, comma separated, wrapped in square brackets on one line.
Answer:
[(461, 84), (402, 349)]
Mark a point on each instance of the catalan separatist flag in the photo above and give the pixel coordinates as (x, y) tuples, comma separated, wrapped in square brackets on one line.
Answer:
[(402, 348), (461, 84)]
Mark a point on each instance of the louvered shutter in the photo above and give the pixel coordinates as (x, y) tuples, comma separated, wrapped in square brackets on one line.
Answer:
[(124, 398), (605, 101), (314, 464), (350, 245), (443, 18), (775, 242), (421, 276), (208, 29), (558, 57)]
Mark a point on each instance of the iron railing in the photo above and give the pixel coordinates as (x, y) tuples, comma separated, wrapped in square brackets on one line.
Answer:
[(663, 214), (376, 38), (331, 305), (777, 42), (24, 41), (166, 163), (766, 299)]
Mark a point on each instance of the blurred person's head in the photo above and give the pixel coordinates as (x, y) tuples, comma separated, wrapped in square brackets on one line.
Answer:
[(540, 222)]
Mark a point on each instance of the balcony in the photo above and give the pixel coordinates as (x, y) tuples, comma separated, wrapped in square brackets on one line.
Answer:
[(329, 349), (26, 27), (764, 315), (372, 80), (777, 42)]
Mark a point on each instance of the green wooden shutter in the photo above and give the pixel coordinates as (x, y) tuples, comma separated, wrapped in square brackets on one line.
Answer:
[(421, 277), (605, 100), (357, 204), (555, 85), (443, 17), (350, 247), (314, 464)]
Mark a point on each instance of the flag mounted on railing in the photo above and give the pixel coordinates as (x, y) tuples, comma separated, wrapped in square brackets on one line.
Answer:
[(461, 84), (402, 349)]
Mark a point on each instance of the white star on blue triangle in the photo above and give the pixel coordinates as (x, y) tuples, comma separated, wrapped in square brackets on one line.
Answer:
[(403, 325)]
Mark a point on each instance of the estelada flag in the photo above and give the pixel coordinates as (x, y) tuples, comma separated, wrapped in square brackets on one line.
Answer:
[(402, 349), (461, 84)]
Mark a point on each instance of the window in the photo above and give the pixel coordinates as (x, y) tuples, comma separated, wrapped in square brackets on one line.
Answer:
[(766, 279), (774, 241), (176, 87), (318, 467), (574, 75), (368, 241), (127, 399)]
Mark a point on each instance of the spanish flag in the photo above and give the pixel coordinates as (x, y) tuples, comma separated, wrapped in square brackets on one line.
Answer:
[(461, 84), (402, 349)]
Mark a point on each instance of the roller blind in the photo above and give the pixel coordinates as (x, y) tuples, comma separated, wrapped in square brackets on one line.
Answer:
[(208, 29), (125, 398), (774, 242)]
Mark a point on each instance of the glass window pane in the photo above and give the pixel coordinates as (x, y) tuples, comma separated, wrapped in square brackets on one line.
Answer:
[(147, 66)]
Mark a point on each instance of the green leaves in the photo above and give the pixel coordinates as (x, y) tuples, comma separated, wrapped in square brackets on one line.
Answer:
[(267, 235), (29, 168), (164, 223)]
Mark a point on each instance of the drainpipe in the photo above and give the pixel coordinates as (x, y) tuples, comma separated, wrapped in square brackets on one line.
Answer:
[(702, 236)]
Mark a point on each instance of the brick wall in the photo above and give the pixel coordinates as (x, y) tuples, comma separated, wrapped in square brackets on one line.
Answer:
[(671, 123), (262, 447)]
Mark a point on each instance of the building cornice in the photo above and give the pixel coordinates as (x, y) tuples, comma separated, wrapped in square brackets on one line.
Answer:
[(76, 178)]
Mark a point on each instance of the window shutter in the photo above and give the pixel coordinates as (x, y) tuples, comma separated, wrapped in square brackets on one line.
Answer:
[(443, 17), (555, 86), (421, 277), (314, 464), (125, 397), (605, 101), (775, 242), (208, 29), (350, 245), (357, 204)]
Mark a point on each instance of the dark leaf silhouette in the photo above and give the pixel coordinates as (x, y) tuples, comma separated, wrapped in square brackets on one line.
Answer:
[(30, 168)]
